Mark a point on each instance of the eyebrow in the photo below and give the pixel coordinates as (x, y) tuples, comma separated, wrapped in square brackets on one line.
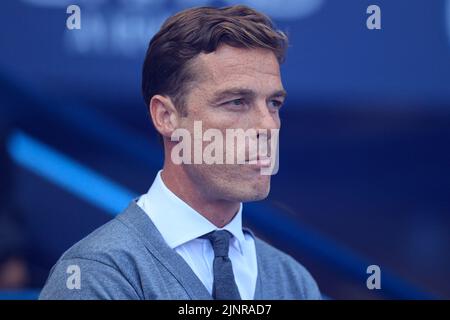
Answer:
[(243, 92), (279, 94)]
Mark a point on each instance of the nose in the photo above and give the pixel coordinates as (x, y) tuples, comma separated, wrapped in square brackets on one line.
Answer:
[(267, 125), (267, 118)]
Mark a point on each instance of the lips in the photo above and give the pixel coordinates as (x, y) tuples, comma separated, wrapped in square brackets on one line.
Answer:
[(260, 161)]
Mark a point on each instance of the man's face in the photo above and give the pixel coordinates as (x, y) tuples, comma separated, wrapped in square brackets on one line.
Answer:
[(240, 89)]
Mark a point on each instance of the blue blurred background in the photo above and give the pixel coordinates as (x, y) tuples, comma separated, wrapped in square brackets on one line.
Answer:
[(364, 161)]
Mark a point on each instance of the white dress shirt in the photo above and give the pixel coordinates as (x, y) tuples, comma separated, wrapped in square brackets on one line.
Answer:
[(181, 226)]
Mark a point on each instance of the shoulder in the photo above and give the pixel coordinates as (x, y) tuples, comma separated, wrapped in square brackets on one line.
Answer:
[(289, 275), (105, 244), (104, 264)]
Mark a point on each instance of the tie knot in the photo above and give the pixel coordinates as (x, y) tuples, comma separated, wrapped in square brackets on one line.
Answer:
[(220, 241)]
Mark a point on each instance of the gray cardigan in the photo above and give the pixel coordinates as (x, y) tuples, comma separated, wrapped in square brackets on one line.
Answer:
[(127, 258)]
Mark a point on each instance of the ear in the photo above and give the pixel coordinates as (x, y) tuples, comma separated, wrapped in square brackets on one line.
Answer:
[(164, 115)]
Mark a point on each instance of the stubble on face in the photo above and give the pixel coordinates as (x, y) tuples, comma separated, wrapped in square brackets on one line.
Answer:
[(254, 70)]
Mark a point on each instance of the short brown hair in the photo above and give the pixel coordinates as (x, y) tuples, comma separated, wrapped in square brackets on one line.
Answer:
[(167, 68)]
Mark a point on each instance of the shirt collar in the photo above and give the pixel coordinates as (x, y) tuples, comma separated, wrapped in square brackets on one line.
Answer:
[(179, 223)]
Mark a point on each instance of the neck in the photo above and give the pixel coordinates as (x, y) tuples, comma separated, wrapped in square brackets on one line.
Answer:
[(218, 212)]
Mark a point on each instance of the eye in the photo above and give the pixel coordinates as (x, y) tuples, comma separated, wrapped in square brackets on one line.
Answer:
[(276, 104), (235, 104)]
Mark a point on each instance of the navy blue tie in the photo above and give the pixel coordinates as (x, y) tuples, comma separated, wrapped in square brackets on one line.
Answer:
[(224, 286)]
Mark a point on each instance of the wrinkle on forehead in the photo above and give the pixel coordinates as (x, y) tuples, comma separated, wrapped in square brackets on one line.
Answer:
[(253, 69), (228, 62)]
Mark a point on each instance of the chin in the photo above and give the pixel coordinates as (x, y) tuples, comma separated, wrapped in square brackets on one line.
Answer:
[(253, 192)]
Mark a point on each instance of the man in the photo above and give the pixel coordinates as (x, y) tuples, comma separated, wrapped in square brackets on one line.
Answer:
[(184, 238)]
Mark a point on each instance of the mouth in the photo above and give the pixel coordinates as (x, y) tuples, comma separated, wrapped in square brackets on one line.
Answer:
[(259, 162)]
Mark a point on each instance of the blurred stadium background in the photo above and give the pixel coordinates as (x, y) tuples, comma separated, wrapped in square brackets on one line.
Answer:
[(364, 161)]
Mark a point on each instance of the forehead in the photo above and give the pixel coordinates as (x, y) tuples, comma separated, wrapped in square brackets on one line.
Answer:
[(240, 66)]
